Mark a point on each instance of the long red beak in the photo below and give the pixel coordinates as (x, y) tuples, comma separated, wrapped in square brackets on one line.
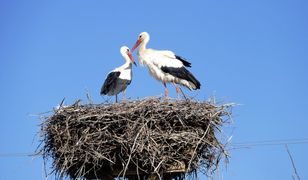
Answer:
[(131, 58), (136, 44)]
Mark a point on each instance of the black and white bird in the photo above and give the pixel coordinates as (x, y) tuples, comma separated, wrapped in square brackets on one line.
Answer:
[(165, 66), (119, 78)]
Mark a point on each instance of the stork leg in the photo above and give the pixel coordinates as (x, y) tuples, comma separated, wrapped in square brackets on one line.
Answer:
[(166, 90), (124, 96), (116, 97), (177, 89)]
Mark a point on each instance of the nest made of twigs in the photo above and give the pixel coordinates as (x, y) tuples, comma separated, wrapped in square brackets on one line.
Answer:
[(136, 137)]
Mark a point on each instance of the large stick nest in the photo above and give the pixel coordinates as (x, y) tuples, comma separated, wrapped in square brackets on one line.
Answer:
[(143, 136)]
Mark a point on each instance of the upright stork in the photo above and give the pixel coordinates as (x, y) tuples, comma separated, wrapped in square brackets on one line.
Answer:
[(119, 78), (165, 66)]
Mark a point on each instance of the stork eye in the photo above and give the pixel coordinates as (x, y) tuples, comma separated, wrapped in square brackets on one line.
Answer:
[(140, 36)]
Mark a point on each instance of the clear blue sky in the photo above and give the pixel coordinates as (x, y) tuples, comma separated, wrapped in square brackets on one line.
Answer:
[(254, 53)]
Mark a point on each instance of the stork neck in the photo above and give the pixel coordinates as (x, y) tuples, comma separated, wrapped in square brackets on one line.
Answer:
[(128, 62), (143, 44)]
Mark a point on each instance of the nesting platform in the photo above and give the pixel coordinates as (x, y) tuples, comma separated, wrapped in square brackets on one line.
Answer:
[(151, 138)]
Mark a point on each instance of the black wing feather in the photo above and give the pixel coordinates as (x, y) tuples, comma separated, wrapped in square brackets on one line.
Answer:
[(110, 82), (183, 60), (182, 73)]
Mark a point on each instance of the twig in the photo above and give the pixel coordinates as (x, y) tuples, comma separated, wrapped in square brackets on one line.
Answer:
[(197, 146), (89, 97), (293, 164)]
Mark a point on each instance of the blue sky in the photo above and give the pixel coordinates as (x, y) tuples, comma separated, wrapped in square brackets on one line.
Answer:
[(249, 52)]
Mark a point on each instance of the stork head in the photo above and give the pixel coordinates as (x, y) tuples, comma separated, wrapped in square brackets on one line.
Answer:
[(144, 37), (126, 53)]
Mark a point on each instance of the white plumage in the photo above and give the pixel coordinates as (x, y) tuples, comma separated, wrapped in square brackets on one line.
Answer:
[(164, 65)]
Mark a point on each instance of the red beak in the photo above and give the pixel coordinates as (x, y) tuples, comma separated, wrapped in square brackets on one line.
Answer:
[(136, 44), (131, 58)]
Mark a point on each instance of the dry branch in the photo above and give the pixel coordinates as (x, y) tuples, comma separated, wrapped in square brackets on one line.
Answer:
[(149, 136)]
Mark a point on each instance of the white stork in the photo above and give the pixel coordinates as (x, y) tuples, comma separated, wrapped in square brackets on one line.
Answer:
[(165, 66), (119, 78)]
